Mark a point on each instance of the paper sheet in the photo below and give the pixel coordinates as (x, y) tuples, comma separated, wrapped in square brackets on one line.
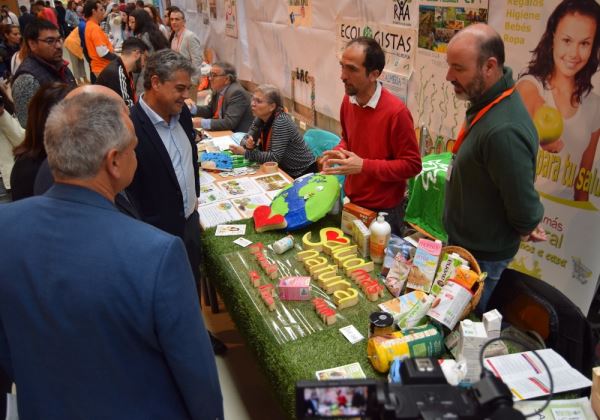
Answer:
[(272, 182), (576, 409), (526, 377), (217, 213), (210, 193), (240, 187), (246, 205), (206, 178)]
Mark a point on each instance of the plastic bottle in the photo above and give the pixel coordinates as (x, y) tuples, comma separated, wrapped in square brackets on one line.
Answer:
[(380, 236), (284, 244)]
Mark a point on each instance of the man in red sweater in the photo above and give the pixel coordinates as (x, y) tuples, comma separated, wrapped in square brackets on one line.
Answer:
[(378, 151)]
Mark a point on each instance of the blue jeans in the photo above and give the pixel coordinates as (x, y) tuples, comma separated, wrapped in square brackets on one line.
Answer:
[(494, 270)]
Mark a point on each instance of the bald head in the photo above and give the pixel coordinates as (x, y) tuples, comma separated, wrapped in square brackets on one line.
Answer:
[(475, 59), (96, 90), (485, 41)]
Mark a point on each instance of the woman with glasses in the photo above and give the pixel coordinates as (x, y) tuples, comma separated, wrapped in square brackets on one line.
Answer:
[(273, 136)]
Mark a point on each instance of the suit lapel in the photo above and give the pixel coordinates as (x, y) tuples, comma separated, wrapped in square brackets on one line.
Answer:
[(154, 139)]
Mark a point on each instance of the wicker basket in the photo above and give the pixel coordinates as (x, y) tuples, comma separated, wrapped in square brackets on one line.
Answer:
[(475, 267)]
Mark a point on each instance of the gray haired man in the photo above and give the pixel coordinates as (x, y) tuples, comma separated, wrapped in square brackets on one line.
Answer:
[(229, 108), (115, 295), (166, 185)]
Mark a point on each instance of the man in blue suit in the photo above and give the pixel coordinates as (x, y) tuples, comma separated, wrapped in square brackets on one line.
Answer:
[(99, 318)]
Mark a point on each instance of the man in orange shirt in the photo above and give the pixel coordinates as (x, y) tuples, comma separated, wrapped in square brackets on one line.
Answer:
[(99, 47)]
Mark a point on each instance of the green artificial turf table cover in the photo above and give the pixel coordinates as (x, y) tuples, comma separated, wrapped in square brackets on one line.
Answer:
[(285, 361)]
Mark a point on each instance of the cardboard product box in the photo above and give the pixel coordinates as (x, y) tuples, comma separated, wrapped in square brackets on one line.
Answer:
[(424, 265), (361, 235), (472, 337), (294, 288), (492, 321), (351, 212)]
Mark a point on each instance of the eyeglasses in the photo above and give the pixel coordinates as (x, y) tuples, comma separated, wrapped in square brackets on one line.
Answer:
[(257, 100), (51, 41), (212, 75)]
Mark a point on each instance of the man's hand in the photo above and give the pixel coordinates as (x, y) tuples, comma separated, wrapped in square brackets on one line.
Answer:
[(328, 154), (237, 150), (537, 235), (347, 163), (190, 103), (197, 122)]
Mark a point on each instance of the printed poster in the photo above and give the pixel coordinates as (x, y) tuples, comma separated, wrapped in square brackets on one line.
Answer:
[(559, 82), (300, 12), (436, 106), (398, 43), (396, 84), (404, 13), (231, 19)]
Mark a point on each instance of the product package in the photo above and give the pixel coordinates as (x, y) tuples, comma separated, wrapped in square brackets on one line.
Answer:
[(450, 304), (351, 212), (294, 288), (425, 341), (361, 235), (396, 245), (400, 305), (424, 265), (447, 269), (492, 321), (416, 315), (398, 273), (472, 336)]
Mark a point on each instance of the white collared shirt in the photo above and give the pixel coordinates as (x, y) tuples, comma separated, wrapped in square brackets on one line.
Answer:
[(179, 149), (373, 101)]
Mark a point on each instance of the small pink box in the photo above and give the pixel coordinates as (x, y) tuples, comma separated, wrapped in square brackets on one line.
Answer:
[(294, 288)]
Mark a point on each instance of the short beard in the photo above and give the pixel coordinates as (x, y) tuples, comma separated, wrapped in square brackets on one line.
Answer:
[(350, 90), (475, 89)]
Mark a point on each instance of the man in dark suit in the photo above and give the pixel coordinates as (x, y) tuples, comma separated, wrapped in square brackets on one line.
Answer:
[(166, 185), (99, 319), (229, 108)]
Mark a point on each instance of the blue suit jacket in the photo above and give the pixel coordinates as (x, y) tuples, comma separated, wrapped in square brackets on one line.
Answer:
[(99, 315)]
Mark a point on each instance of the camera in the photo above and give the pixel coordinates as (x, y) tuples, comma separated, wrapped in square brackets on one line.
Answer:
[(423, 394)]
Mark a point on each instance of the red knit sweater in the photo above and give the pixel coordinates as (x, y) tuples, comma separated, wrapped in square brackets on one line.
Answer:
[(385, 138)]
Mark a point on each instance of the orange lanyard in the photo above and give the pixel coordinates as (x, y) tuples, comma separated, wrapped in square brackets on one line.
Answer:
[(464, 131), (267, 143), (219, 105)]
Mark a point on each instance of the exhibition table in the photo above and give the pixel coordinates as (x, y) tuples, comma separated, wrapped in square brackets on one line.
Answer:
[(316, 347)]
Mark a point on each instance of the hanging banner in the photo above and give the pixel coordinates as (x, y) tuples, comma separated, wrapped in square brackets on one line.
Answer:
[(231, 19), (399, 44), (300, 12), (555, 82), (434, 101)]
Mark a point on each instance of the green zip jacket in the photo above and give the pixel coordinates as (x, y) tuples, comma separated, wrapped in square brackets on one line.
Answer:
[(490, 197)]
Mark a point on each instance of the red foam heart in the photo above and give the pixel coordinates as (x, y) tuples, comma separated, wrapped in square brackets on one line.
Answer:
[(332, 235), (263, 220)]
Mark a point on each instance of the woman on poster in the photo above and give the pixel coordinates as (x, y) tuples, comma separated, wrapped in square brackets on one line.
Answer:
[(557, 88)]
